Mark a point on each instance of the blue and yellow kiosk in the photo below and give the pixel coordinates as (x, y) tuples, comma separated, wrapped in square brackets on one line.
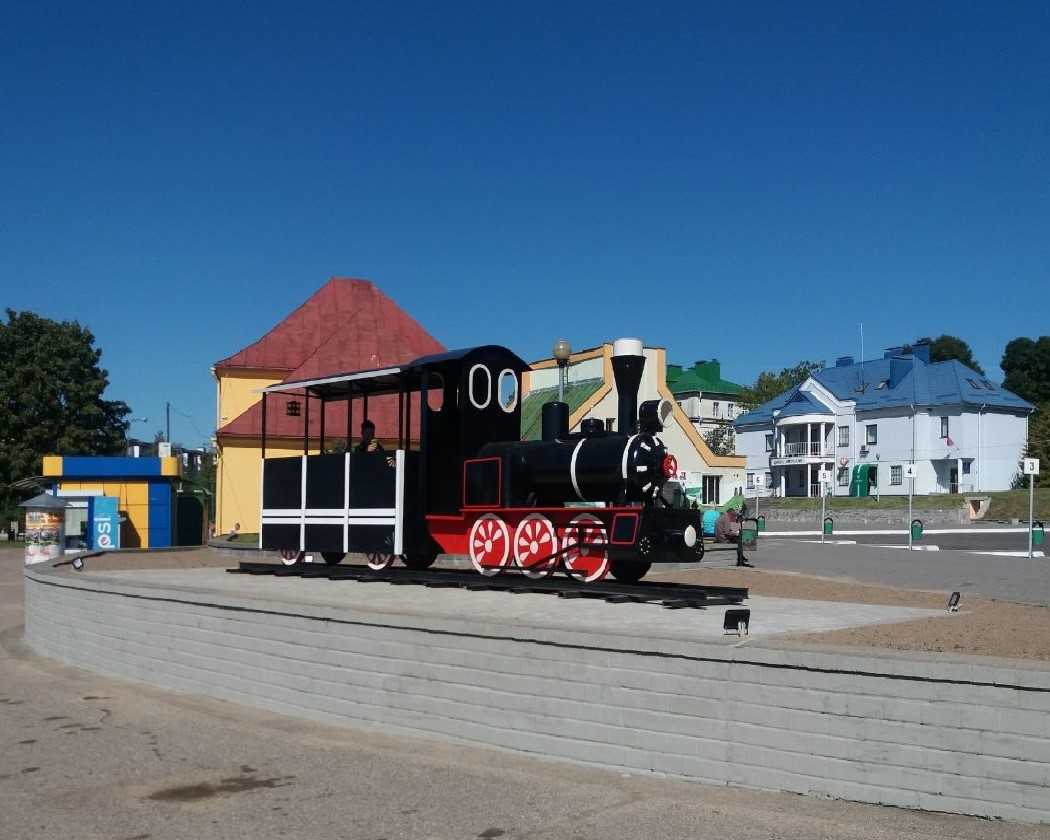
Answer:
[(140, 491)]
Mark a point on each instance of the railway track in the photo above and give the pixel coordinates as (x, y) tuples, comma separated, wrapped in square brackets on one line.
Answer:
[(669, 595)]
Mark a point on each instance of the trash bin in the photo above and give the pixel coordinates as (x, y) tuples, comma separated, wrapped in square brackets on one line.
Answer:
[(829, 525), (761, 523), (749, 533), (916, 529), (1038, 537)]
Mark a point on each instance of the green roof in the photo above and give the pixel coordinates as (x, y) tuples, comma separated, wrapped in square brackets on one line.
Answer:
[(703, 377), (576, 394)]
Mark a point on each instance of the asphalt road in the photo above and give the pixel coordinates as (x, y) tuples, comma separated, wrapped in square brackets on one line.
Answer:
[(92, 758)]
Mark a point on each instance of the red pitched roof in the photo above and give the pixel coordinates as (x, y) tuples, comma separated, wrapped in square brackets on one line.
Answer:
[(346, 325)]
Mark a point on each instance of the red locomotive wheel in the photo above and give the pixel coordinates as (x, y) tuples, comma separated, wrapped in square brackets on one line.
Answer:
[(586, 555), (379, 561), (489, 544), (535, 544), (670, 466), (291, 556)]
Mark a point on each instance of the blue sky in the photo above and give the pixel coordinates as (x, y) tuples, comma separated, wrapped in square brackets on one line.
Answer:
[(756, 182)]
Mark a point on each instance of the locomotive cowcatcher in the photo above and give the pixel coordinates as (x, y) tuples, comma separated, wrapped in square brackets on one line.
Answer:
[(461, 481)]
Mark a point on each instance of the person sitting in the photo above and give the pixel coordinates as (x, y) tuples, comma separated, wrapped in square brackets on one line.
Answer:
[(726, 530), (234, 531)]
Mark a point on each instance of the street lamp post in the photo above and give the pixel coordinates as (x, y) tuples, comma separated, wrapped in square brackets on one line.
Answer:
[(562, 352)]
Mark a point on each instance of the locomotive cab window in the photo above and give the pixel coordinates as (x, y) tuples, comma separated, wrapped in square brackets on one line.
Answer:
[(508, 390), (480, 387)]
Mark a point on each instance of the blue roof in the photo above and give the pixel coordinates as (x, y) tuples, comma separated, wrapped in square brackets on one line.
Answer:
[(891, 382), (802, 402)]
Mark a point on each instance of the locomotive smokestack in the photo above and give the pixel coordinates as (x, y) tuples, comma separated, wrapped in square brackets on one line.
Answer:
[(627, 364)]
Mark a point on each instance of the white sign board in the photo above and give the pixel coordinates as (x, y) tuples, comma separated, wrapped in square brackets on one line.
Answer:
[(1031, 466), (759, 479), (911, 471), (824, 477)]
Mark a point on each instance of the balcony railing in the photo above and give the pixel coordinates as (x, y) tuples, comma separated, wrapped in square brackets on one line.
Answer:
[(808, 449)]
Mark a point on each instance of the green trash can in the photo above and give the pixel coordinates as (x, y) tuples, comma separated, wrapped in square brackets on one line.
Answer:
[(829, 526), (749, 533), (916, 529), (761, 523), (1038, 537)]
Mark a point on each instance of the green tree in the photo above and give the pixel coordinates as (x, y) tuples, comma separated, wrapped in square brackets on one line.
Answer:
[(1026, 364), (770, 384), (722, 440), (51, 402), (944, 348), (1038, 447)]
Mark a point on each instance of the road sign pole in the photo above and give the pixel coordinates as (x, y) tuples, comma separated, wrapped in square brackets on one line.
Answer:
[(1031, 499), (1030, 467), (823, 512), (911, 494)]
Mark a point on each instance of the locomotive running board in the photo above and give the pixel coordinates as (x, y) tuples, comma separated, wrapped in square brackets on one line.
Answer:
[(670, 595)]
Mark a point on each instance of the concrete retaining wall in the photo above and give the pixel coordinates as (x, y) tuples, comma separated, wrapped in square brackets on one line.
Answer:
[(965, 738)]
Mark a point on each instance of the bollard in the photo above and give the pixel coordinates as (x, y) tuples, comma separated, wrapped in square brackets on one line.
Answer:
[(829, 526), (1038, 536), (916, 529), (761, 523)]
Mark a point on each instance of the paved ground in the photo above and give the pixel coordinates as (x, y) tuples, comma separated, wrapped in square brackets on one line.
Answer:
[(1008, 578), (88, 757)]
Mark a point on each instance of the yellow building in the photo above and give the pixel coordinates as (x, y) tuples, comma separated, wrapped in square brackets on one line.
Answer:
[(346, 325)]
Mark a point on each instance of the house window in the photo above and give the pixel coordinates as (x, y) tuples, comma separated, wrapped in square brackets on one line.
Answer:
[(843, 435), (769, 479), (897, 474), (750, 481), (966, 467), (944, 427), (714, 409), (843, 476), (871, 434), (769, 443), (730, 410)]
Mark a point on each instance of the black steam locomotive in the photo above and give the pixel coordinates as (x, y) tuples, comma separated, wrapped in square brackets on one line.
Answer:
[(461, 481)]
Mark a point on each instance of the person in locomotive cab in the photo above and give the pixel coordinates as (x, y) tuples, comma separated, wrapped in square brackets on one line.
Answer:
[(369, 443), (368, 438)]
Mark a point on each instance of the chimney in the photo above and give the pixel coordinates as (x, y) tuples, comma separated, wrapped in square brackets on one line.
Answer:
[(844, 361), (628, 362)]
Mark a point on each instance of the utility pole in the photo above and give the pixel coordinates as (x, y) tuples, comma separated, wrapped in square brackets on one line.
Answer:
[(167, 416)]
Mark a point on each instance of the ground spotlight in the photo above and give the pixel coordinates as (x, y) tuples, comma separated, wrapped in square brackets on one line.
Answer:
[(953, 602), (736, 621)]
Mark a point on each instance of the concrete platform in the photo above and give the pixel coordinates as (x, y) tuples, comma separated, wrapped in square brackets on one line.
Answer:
[(770, 617)]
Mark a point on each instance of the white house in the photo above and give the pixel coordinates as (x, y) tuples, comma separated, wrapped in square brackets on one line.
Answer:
[(865, 423)]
